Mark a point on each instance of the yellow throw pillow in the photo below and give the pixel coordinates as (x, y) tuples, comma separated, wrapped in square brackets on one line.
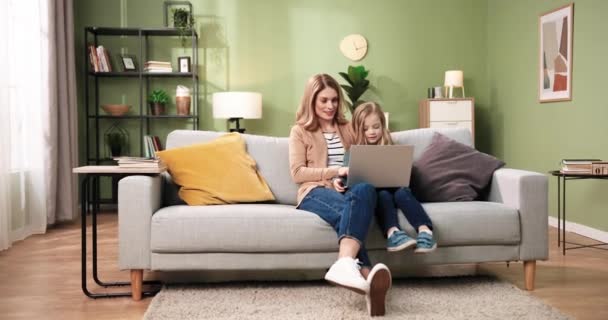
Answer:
[(218, 172)]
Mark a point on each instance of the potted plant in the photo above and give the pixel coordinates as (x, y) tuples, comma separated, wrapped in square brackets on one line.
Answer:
[(357, 85), (116, 142), (158, 99), (183, 21)]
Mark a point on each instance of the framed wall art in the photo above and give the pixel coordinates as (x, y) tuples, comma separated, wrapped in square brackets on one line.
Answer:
[(555, 54)]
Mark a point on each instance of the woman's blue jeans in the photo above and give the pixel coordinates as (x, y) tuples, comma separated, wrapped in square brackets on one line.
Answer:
[(390, 199), (350, 214)]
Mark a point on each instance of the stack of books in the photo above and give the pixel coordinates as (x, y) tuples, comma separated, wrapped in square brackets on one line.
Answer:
[(579, 166), (158, 66), (139, 162), (99, 59), (151, 145)]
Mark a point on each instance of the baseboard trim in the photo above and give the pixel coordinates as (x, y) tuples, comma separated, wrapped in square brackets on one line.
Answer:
[(582, 230)]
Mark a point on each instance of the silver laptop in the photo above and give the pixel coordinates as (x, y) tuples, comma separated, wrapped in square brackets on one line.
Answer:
[(382, 166)]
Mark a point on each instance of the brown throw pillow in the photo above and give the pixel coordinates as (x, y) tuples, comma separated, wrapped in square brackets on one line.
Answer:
[(451, 171)]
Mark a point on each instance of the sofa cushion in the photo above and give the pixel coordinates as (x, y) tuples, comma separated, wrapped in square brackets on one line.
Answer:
[(216, 172), (421, 138), (282, 228), (271, 155), (240, 228), (451, 171)]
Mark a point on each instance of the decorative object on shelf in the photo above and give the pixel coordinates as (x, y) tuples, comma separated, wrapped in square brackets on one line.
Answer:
[(555, 55), (116, 110), (357, 85), (128, 62), (170, 6), (183, 19), (183, 64), (438, 92), (354, 47), (453, 79), (237, 105), (182, 100), (158, 100), (117, 140)]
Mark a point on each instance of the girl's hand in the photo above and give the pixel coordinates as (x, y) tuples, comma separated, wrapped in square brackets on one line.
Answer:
[(343, 171), (338, 185)]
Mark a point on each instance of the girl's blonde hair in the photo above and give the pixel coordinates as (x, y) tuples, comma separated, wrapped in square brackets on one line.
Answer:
[(306, 116), (363, 111)]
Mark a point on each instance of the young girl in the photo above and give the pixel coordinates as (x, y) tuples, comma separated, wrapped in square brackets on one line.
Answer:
[(370, 127)]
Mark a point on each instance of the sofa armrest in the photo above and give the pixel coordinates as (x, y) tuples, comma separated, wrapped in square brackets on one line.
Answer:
[(138, 198), (526, 191)]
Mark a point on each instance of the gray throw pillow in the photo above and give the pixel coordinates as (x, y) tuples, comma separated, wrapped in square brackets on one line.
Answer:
[(451, 171)]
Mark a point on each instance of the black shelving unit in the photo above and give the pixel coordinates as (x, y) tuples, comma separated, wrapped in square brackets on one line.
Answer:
[(141, 116)]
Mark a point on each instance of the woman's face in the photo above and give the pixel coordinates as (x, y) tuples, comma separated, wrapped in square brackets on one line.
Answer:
[(326, 104)]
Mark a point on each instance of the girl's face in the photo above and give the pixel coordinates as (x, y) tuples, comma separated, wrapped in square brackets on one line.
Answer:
[(326, 104), (372, 129)]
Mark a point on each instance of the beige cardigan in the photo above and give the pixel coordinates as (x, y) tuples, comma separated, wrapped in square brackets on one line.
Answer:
[(308, 157)]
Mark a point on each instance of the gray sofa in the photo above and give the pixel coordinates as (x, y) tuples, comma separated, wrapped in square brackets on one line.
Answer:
[(157, 231)]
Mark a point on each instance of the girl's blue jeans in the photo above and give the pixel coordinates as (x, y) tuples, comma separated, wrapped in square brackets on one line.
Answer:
[(390, 199), (350, 214)]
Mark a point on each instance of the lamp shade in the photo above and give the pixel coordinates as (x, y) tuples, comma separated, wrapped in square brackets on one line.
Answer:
[(246, 105), (453, 78)]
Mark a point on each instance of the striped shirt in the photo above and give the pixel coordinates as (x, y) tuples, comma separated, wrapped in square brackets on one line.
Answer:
[(335, 149)]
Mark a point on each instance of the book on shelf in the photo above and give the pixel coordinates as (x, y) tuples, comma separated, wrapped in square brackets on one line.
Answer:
[(151, 145), (158, 66), (158, 70), (99, 59)]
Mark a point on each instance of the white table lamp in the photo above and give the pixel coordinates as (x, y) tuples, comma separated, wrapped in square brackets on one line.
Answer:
[(237, 105), (454, 79)]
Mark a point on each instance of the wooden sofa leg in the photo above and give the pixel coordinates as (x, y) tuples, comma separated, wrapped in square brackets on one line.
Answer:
[(137, 276), (529, 273)]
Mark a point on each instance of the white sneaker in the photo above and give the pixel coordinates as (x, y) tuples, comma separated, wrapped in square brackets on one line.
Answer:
[(380, 281), (345, 272)]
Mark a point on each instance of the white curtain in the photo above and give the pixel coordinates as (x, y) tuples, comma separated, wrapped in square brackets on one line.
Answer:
[(24, 112)]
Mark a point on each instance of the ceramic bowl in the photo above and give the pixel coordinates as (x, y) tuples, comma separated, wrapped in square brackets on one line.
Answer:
[(116, 109)]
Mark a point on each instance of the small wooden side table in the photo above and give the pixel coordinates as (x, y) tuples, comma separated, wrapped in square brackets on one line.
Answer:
[(90, 181), (561, 208)]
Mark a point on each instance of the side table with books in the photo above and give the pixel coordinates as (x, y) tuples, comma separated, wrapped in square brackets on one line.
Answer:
[(91, 174), (578, 169)]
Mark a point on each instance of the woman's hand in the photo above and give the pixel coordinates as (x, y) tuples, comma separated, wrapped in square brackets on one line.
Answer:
[(337, 182), (343, 171)]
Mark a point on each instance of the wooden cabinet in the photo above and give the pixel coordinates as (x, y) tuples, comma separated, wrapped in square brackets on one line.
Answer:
[(447, 113)]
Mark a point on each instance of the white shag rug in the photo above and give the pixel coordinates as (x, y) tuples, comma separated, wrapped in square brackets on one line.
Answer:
[(417, 298)]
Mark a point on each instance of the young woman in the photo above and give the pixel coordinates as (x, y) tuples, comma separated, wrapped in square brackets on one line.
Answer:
[(317, 144), (370, 127)]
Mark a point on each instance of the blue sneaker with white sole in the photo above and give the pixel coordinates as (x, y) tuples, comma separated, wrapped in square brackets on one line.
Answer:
[(425, 243), (398, 241)]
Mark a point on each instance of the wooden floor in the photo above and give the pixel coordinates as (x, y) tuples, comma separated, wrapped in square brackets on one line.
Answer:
[(40, 278)]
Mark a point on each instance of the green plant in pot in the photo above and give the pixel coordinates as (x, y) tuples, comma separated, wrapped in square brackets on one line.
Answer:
[(183, 21), (116, 141), (357, 85), (158, 100)]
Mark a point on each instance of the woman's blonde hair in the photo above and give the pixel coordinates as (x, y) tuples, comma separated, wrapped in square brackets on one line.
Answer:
[(306, 116), (363, 111)]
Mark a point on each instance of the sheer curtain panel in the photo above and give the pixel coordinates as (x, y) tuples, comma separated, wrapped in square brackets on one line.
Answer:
[(24, 105)]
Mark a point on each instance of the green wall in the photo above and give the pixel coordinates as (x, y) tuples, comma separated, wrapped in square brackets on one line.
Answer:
[(536, 136), (273, 46)]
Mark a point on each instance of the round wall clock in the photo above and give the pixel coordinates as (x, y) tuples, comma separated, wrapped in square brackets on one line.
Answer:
[(354, 47)]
